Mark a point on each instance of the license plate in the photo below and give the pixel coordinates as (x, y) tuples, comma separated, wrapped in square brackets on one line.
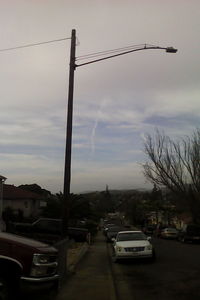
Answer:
[(134, 249)]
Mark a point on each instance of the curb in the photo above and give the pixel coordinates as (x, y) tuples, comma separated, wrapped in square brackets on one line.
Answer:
[(113, 287)]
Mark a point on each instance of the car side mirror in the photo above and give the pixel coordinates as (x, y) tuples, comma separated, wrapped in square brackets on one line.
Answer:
[(149, 238), (113, 240)]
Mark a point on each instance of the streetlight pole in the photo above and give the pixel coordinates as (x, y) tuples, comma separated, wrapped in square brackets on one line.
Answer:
[(67, 167)]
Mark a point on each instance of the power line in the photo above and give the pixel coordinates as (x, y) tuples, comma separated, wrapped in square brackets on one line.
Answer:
[(32, 45), (106, 52)]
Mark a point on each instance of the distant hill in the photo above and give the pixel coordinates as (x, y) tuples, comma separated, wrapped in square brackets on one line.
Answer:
[(118, 192)]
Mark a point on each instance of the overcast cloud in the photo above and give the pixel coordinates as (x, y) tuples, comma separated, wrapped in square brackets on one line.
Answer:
[(116, 102)]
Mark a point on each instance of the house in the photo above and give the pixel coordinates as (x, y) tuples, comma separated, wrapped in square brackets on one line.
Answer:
[(27, 203)]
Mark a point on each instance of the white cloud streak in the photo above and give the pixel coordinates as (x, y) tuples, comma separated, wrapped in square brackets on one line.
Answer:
[(99, 115), (115, 102)]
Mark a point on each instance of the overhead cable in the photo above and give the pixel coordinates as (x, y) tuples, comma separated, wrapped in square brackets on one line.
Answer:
[(102, 53), (34, 44)]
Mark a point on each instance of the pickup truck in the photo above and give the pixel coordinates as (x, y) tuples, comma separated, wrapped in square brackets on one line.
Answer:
[(48, 230), (26, 264)]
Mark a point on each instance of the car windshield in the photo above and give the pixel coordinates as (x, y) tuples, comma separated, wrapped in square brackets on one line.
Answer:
[(131, 236)]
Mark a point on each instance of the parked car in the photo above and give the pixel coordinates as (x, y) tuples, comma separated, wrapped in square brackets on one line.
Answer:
[(159, 228), (26, 264), (112, 232), (149, 229), (106, 226), (169, 233), (132, 244), (48, 230), (189, 233)]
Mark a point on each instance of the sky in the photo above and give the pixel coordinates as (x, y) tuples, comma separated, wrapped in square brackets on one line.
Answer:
[(116, 101)]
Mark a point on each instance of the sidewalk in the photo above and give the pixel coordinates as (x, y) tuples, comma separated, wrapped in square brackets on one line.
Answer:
[(92, 278)]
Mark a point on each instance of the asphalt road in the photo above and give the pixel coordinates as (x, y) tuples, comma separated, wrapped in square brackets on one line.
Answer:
[(174, 275)]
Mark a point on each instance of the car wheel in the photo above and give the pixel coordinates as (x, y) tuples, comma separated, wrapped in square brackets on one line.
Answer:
[(4, 289)]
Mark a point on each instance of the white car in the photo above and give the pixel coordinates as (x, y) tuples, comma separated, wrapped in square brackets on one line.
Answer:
[(132, 244)]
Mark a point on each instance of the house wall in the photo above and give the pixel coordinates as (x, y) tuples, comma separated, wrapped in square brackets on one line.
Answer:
[(29, 207)]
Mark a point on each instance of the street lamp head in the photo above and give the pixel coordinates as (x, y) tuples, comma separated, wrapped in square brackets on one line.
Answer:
[(171, 50)]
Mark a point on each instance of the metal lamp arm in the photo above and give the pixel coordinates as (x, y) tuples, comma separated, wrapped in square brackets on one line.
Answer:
[(145, 47)]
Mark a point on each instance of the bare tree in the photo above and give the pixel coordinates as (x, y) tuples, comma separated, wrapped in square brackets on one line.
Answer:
[(175, 165)]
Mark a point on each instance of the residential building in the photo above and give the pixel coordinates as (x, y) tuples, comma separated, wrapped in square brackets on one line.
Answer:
[(21, 201)]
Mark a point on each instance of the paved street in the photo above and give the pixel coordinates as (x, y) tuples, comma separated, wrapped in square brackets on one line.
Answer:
[(174, 275)]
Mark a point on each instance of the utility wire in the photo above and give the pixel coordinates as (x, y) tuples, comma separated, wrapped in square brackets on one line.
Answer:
[(105, 52), (32, 45), (102, 53)]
